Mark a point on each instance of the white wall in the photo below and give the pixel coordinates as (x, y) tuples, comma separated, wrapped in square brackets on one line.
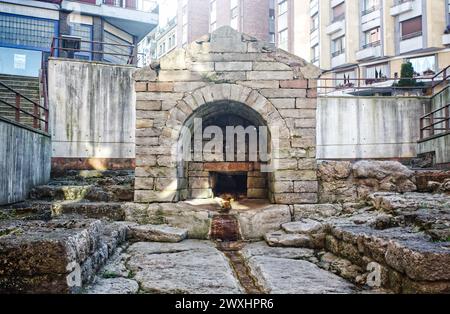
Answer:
[(92, 109), (368, 127)]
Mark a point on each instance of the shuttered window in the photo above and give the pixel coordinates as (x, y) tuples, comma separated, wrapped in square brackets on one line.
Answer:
[(412, 28)]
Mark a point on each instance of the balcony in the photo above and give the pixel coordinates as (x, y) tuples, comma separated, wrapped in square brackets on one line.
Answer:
[(401, 6), (369, 51), (127, 15), (337, 24)]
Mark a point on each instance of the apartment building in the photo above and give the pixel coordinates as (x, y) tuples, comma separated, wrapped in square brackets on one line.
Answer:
[(192, 20), (27, 29), (366, 38), (253, 17)]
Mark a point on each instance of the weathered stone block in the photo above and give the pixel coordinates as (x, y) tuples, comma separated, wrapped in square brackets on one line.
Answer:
[(256, 193), (187, 86), (202, 66), (160, 87), (301, 84), (225, 39), (256, 182), (144, 123), (260, 84), (233, 66), (306, 186), (144, 183), (147, 141), (305, 123), (148, 105), (178, 76), (199, 183), (296, 198), (270, 75), (295, 175), (283, 103), (270, 66), (306, 103), (140, 86), (283, 187), (146, 196)]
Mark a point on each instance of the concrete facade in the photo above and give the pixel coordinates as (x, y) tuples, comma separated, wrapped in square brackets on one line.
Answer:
[(369, 127), (370, 34), (92, 109), (235, 75), (25, 154)]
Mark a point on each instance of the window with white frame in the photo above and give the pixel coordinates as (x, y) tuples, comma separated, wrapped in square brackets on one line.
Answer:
[(424, 65), (372, 38), (234, 6), (283, 39), (315, 54), (283, 34), (338, 46), (315, 22)]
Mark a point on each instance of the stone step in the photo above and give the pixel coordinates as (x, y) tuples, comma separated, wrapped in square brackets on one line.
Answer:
[(32, 210), (58, 256), (100, 210), (95, 193), (303, 226), (283, 239), (289, 276), (157, 233), (88, 175)]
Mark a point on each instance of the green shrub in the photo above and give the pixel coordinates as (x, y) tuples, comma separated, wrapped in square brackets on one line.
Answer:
[(406, 75)]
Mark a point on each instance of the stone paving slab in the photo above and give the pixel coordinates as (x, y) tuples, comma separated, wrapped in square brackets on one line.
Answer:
[(288, 276), (190, 266)]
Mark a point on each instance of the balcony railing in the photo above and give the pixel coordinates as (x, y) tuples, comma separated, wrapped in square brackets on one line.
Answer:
[(21, 105), (435, 122), (337, 53), (398, 2), (372, 44), (127, 4), (412, 35), (71, 48), (370, 10)]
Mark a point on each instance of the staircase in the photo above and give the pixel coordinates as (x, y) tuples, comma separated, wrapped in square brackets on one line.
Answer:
[(26, 86)]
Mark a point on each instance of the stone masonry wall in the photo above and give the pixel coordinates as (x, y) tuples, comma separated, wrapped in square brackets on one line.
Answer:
[(226, 66)]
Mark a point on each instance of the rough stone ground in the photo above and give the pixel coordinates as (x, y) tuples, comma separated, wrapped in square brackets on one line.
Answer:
[(195, 266)]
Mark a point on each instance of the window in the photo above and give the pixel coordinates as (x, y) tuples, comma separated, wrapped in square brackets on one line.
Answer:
[(282, 6), (185, 34), (283, 40), (339, 12), (372, 38), (370, 6), (234, 13), (213, 11), (424, 65), (85, 33), (314, 22), (411, 28), (27, 32), (315, 54), (345, 79), (338, 46), (378, 71)]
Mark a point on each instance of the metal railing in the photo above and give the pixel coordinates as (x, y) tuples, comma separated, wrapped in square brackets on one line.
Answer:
[(370, 10), (372, 44), (426, 85), (121, 53), (38, 120), (431, 125)]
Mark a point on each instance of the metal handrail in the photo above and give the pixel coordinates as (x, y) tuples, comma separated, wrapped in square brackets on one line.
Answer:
[(433, 121), (56, 46), (36, 109)]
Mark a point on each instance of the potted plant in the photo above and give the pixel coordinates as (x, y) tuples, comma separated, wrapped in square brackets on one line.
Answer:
[(407, 83)]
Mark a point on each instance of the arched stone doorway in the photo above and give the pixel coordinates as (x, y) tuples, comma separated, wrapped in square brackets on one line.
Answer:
[(226, 79), (235, 143)]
